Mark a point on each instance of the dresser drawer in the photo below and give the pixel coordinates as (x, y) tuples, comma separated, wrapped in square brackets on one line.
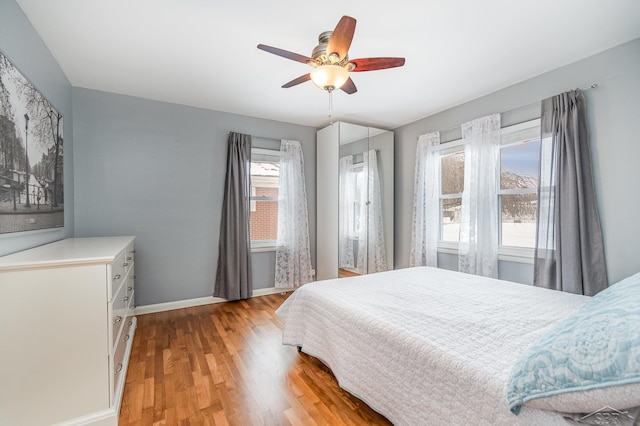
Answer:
[(131, 301), (129, 257), (119, 306), (128, 322), (118, 364), (131, 287), (118, 273)]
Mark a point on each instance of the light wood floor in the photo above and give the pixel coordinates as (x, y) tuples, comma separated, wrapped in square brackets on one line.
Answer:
[(225, 364), (342, 273)]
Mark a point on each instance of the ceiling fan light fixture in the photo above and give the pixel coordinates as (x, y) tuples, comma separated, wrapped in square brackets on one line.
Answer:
[(334, 58), (330, 61), (329, 77)]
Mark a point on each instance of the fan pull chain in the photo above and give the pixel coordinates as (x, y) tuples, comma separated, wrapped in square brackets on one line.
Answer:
[(330, 107)]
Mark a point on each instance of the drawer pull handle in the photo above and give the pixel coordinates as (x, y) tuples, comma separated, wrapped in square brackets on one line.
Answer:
[(119, 367), (129, 258), (129, 288), (126, 337), (133, 277), (116, 277), (117, 319), (125, 264), (130, 323), (125, 298)]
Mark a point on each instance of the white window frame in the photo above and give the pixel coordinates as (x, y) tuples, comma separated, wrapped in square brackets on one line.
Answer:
[(353, 234), (509, 136), (262, 245), (447, 148)]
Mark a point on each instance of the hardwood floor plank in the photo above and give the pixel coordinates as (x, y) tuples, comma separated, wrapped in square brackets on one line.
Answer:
[(224, 364), (159, 401)]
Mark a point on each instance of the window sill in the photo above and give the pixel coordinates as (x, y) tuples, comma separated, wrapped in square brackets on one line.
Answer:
[(510, 254), (515, 254), (263, 249), (448, 250)]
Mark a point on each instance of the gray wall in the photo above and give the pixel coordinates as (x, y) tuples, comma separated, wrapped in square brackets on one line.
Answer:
[(156, 170), (614, 114), (23, 46)]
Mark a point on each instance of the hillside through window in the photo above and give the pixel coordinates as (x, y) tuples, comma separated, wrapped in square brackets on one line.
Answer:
[(517, 195), (517, 188)]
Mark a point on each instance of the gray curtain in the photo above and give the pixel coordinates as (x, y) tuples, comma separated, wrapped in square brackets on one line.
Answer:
[(233, 277), (569, 253)]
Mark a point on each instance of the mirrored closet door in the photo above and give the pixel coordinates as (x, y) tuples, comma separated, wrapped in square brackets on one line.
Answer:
[(355, 200)]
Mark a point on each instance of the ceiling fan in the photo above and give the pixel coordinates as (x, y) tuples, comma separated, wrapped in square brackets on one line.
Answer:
[(330, 61)]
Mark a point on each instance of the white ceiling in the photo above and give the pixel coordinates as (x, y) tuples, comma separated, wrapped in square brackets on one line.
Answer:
[(203, 53)]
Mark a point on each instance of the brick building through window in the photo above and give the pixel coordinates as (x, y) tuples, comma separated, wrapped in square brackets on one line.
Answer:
[(265, 182)]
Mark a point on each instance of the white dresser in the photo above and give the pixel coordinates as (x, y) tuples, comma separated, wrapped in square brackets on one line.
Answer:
[(66, 330)]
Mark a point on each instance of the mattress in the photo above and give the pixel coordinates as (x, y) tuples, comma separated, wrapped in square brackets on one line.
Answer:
[(424, 345)]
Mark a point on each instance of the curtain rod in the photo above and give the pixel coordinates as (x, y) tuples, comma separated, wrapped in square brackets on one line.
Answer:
[(592, 86), (264, 137)]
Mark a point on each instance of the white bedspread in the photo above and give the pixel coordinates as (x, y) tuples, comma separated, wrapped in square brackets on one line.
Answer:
[(426, 346)]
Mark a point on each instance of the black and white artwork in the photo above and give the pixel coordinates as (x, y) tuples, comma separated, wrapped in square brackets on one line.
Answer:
[(31, 156)]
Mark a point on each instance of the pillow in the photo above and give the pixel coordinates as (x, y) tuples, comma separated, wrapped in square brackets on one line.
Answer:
[(588, 361)]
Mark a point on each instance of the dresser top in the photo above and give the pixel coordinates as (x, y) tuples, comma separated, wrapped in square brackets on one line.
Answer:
[(70, 251)]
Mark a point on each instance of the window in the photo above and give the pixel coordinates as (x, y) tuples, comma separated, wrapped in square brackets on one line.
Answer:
[(517, 191), (265, 183), (518, 180), (358, 180), (451, 187)]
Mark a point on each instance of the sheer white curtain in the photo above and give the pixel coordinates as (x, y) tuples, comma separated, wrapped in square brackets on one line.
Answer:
[(478, 249), (346, 199), (363, 215), (293, 258), (372, 255), (426, 203)]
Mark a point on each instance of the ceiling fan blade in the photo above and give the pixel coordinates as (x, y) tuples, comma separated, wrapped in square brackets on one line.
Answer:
[(372, 64), (349, 87), (341, 37), (297, 81), (285, 53)]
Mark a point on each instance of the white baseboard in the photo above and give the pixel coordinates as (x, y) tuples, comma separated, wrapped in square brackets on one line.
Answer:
[(179, 304)]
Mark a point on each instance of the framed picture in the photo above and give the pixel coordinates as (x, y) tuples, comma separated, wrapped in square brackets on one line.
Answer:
[(31, 156)]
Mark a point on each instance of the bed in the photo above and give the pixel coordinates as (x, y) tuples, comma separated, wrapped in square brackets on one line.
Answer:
[(429, 346)]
